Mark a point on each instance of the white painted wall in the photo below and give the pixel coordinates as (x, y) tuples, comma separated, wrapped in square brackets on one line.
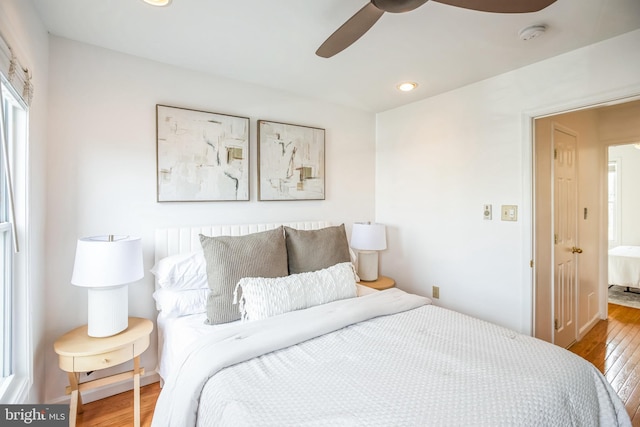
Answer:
[(629, 162), (25, 33), (102, 160), (619, 127), (439, 160)]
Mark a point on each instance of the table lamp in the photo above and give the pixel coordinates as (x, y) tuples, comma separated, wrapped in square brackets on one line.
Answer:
[(106, 265), (367, 239)]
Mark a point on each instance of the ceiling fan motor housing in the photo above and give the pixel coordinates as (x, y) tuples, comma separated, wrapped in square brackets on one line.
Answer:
[(398, 6)]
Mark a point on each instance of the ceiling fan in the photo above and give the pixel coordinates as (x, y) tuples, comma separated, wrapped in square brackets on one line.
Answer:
[(364, 19)]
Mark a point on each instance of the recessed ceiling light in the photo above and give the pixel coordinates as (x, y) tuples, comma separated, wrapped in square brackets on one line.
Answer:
[(158, 2), (407, 86)]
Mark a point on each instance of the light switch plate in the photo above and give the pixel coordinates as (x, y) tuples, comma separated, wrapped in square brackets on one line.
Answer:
[(486, 211), (509, 212)]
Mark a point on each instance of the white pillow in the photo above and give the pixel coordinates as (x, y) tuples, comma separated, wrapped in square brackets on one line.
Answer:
[(354, 261), (182, 271), (181, 303), (266, 297)]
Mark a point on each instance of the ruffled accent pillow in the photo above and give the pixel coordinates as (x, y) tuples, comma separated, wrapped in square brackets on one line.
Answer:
[(266, 297)]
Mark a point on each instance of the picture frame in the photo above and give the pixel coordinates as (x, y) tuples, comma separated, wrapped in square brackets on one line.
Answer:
[(291, 162), (201, 156)]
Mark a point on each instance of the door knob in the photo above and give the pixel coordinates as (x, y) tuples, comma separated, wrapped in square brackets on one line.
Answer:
[(575, 250)]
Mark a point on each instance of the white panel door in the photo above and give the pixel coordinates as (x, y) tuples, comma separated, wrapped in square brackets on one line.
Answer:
[(565, 225)]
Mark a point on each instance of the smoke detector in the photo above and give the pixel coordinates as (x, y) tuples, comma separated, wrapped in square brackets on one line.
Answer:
[(532, 32)]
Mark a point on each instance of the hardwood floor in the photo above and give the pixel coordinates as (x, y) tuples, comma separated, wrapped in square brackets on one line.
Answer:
[(118, 410), (613, 346)]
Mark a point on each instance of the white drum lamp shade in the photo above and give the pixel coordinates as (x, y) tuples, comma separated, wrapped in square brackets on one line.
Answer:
[(106, 265), (368, 239)]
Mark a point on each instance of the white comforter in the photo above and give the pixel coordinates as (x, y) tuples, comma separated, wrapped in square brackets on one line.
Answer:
[(423, 365)]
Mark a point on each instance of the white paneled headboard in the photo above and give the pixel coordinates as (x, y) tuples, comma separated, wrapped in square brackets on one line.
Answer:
[(176, 240)]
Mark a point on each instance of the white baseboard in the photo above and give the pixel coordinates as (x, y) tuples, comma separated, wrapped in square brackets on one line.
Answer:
[(111, 389), (590, 324)]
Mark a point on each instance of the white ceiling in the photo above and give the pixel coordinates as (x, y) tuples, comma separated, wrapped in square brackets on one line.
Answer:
[(273, 42)]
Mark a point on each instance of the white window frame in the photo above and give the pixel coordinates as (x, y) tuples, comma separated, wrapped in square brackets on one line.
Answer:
[(613, 205), (15, 387), (6, 292)]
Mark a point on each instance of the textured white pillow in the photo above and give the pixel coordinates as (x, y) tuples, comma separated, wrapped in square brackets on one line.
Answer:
[(266, 297), (182, 271), (181, 303)]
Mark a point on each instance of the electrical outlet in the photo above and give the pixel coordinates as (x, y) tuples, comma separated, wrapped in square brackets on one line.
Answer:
[(435, 292)]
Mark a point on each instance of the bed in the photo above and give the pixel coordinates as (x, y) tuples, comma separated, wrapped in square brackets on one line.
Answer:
[(350, 356), (624, 266)]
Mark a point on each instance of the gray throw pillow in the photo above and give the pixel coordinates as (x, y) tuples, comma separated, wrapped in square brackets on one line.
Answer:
[(230, 258), (313, 250)]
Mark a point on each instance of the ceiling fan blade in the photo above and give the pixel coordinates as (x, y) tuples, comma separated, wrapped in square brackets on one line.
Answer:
[(500, 6), (350, 31)]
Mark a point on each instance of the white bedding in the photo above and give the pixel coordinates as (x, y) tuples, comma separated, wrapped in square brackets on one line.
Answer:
[(624, 266), (178, 333), (175, 334), (421, 366)]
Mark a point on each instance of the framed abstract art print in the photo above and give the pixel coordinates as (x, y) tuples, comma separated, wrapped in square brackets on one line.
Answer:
[(290, 162), (201, 156)]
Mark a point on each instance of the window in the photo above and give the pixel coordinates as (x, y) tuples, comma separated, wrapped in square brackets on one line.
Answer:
[(613, 181), (14, 116), (16, 336), (6, 276)]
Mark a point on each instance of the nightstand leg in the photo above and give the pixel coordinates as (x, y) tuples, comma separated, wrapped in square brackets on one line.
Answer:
[(80, 404), (136, 391), (76, 400), (73, 408)]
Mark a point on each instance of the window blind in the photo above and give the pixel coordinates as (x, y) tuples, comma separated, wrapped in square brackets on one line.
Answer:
[(18, 76)]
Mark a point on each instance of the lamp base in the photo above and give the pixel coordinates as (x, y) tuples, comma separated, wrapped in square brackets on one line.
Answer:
[(108, 311), (368, 265)]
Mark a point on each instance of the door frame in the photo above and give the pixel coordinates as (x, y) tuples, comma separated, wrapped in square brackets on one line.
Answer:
[(528, 118)]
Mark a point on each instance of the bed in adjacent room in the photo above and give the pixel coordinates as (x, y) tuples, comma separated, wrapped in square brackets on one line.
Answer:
[(624, 266), (266, 325)]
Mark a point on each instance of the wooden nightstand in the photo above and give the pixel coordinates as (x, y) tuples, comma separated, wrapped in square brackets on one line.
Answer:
[(78, 352), (382, 283)]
